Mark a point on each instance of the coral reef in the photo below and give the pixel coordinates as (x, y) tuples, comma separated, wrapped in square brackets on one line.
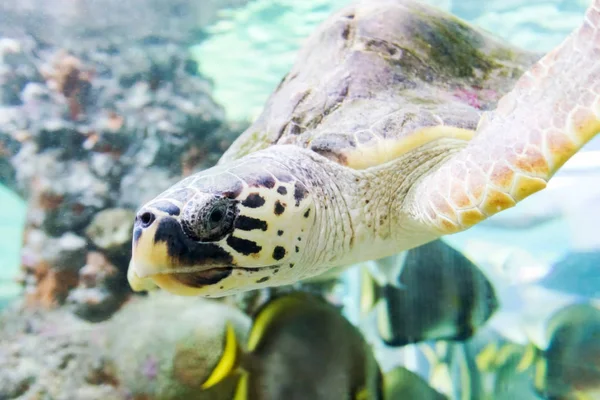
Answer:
[(101, 288), (91, 129)]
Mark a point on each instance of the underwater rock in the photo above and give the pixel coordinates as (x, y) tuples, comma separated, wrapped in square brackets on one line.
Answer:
[(53, 355), (92, 128), (161, 360), (111, 230), (135, 355), (71, 78), (49, 266), (101, 291), (66, 252), (15, 71)]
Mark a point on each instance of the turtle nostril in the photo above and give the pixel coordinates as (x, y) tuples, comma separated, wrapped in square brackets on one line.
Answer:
[(147, 218)]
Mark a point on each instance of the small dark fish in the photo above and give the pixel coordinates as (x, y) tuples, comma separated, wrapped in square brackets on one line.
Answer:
[(300, 347), (401, 383), (453, 366), (436, 294), (507, 367), (569, 368)]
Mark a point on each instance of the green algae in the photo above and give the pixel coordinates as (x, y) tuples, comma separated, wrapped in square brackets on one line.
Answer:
[(453, 47), (249, 143)]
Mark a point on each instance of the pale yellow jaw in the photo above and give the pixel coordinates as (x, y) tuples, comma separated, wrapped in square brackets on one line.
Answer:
[(164, 281), (170, 284), (139, 284), (148, 266)]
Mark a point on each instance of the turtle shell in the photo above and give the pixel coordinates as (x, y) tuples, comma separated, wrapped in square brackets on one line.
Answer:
[(375, 73)]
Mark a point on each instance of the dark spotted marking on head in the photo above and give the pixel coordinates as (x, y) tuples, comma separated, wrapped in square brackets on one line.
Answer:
[(275, 271), (278, 252), (267, 181), (299, 239), (291, 265), (184, 251), (279, 207), (297, 249), (307, 213), (254, 200), (166, 207), (257, 179), (229, 185), (225, 185), (249, 224), (243, 246), (137, 232), (203, 278), (261, 280), (282, 190), (279, 232), (234, 191), (300, 193)]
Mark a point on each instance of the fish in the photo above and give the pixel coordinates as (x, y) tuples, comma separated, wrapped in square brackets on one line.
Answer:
[(505, 368), (563, 365), (569, 367), (453, 370), (401, 383), (300, 347), (576, 273), (433, 292)]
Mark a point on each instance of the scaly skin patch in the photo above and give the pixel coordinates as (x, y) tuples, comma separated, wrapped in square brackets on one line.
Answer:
[(552, 112)]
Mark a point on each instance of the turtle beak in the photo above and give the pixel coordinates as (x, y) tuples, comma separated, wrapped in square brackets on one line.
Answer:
[(148, 256), (139, 284), (163, 256), (150, 261), (166, 282)]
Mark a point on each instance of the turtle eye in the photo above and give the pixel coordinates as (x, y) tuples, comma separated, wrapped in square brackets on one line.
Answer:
[(215, 217), (208, 222)]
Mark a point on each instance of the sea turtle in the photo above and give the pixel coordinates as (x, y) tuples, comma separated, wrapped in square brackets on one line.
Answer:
[(397, 124)]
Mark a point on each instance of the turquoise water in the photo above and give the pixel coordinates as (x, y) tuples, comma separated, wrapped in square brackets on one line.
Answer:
[(12, 217)]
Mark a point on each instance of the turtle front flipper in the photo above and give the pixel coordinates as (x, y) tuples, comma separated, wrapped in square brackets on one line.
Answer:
[(553, 110)]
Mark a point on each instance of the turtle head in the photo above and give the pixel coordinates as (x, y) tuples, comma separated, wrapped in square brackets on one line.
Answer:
[(223, 231)]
